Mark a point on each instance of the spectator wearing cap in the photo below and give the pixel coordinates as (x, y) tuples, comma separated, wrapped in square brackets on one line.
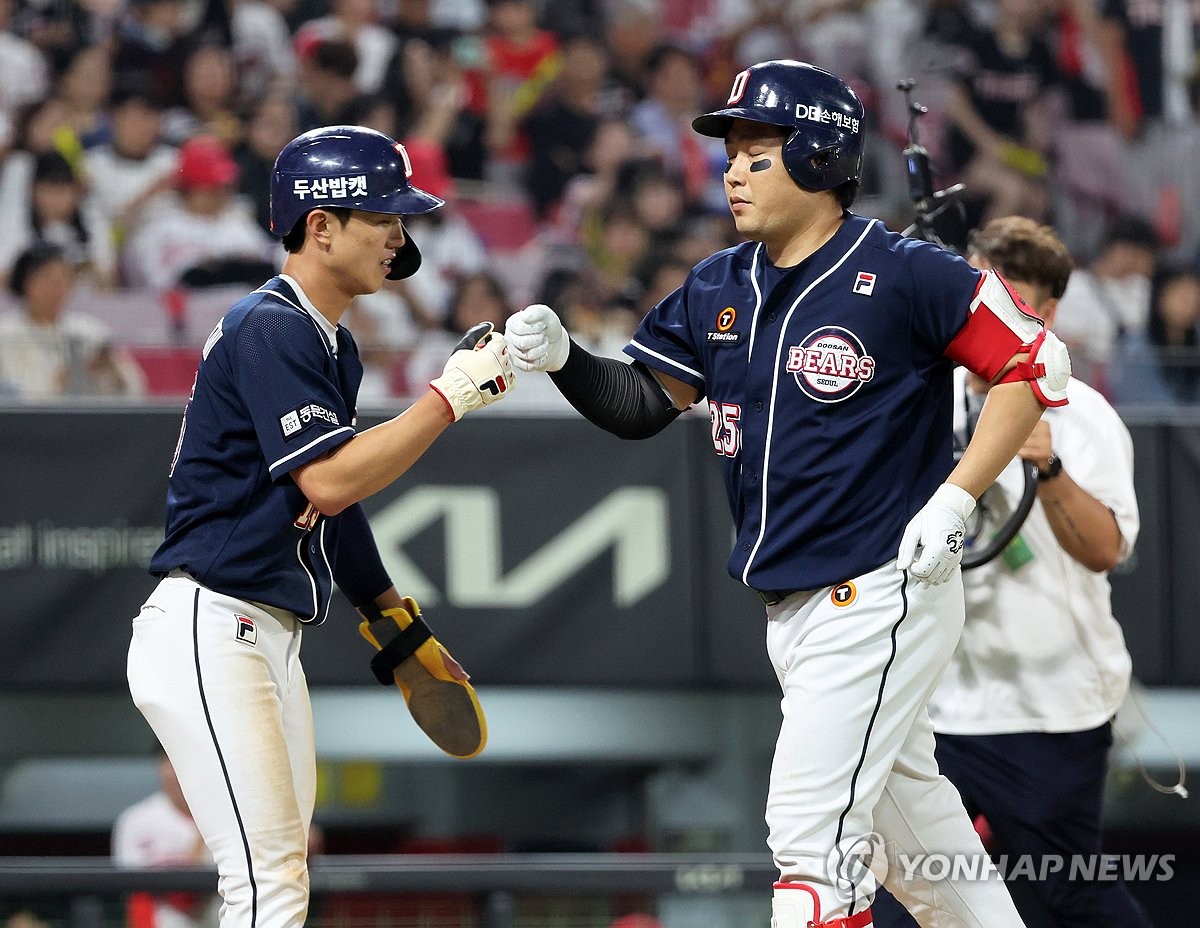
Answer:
[(207, 237), (58, 209), (50, 352), (131, 176)]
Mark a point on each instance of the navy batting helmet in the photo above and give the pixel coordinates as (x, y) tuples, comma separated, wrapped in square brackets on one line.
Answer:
[(825, 146), (352, 167)]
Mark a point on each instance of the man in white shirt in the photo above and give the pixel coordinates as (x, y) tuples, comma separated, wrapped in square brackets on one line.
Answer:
[(158, 831), (131, 177), (208, 236), (1023, 712)]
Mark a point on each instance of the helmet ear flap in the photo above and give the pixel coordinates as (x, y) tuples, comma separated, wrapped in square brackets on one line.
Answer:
[(407, 260)]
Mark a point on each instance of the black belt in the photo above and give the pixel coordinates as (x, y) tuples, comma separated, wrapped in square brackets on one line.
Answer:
[(774, 597)]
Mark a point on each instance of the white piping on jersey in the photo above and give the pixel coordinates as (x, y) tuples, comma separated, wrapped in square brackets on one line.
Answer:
[(779, 353), (312, 581), (666, 360), (315, 441), (758, 300), (328, 567)]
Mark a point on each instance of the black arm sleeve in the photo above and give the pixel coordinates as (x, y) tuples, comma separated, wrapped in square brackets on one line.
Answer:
[(621, 398), (359, 570)]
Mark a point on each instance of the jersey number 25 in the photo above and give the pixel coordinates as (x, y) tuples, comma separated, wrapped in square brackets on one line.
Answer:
[(726, 433)]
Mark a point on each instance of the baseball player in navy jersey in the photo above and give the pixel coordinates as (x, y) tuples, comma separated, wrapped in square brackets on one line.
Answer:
[(264, 517), (1023, 712), (824, 346)]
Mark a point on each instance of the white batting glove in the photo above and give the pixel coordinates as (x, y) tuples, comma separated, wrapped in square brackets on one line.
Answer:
[(478, 374), (537, 339), (932, 545)]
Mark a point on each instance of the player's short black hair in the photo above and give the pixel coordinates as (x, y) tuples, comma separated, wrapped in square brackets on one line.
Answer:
[(295, 237), (846, 193), (35, 256)]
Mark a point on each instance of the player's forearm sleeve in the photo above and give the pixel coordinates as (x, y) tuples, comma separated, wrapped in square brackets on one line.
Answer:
[(359, 570), (621, 398)]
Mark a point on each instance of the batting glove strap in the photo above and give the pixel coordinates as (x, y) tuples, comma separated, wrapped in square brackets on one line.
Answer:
[(403, 646)]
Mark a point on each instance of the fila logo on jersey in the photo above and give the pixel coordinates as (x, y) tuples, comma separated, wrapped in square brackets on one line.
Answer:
[(247, 633), (724, 333), (830, 364), (297, 419), (844, 594), (864, 283)]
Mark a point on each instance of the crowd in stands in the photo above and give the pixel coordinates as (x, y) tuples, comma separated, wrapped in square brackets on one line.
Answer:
[(137, 139)]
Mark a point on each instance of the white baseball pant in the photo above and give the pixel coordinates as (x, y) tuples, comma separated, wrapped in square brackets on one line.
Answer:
[(220, 682), (857, 664)]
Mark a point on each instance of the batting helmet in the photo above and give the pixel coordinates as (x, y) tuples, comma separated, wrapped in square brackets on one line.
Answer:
[(825, 146), (352, 167)]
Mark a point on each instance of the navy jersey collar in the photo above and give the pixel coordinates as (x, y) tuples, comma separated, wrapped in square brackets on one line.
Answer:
[(289, 289)]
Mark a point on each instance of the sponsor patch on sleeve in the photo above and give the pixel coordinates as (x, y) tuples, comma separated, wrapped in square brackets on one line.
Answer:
[(299, 419)]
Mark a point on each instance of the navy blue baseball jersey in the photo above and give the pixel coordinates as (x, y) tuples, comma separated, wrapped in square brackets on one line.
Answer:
[(829, 388), (276, 388)]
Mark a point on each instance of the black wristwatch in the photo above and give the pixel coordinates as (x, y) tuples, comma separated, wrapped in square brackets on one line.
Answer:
[(1053, 468)]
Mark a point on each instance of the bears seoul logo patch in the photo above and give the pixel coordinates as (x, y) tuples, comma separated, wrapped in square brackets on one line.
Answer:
[(830, 364)]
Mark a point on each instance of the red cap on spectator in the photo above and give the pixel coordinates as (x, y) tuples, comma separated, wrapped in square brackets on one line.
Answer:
[(205, 162), (430, 169)]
